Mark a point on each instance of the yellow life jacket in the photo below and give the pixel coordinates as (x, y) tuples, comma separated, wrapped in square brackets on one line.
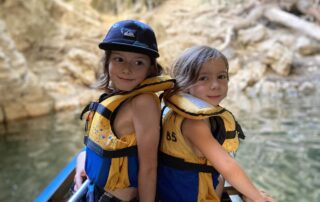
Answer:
[(224, 127), (182, 175), (111, 162)]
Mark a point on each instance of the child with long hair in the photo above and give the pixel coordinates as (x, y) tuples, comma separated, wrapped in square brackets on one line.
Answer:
[(120, 158), (198, 133)]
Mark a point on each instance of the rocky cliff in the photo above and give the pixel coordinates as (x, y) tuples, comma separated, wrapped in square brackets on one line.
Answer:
[(49, 59)]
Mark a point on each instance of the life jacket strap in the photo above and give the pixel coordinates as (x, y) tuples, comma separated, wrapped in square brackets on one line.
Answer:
[(84, 111), (105, 112), (219, 131), (97, 107), (240, 132), (180, 164), (129, 151), (231, 134)]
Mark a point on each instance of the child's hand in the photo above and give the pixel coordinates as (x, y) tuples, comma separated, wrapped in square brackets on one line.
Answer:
[(78, 179), (80, 171), (265, 198)]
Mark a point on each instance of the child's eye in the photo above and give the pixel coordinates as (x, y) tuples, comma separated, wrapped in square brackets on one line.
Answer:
[(223, 76), (139, 62), (117, 59), (203, 78)]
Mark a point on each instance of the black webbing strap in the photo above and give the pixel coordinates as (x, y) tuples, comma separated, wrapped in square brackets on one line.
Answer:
[(129, 151), (97, 107), (219, 131), (84, 111), (105, 112), (180, 164), (240, 132), (231, 134), (218, 128)]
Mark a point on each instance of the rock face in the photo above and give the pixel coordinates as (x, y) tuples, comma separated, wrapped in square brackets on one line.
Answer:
[(21, 96), (49, 59), (47, 62)]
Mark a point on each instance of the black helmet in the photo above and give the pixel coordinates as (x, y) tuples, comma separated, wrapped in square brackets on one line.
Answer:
[(132, 36)]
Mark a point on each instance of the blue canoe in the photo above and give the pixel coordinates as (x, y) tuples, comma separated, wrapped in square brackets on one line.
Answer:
[(59, 188)]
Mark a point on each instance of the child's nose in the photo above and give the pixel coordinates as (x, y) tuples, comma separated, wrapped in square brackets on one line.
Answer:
[(214, 84), (126, 68)]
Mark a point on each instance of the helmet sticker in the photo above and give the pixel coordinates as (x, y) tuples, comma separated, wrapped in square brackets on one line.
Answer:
[(128, 32)]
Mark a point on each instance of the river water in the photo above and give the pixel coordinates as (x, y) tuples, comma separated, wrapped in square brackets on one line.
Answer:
[(281, 152)]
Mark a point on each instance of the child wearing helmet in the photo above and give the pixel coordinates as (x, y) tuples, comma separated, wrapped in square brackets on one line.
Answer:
[(123, 126)]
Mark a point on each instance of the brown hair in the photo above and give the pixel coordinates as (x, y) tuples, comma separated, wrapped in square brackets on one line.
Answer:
[(187, 66), (104, 80)]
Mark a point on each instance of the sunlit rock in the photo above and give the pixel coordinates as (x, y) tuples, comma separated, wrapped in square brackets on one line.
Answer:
[(307, 88), (68, 102), (21, 95), (279, 58), (252, 35), (2, 118), (234, 66), (257, 70), (82, 65)]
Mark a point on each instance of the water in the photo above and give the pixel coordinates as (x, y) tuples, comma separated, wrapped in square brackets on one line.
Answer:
[(33, 151), (280, 153)]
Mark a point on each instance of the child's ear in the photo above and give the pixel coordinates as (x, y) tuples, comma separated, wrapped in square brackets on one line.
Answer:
[(152, 71), (187, 90)]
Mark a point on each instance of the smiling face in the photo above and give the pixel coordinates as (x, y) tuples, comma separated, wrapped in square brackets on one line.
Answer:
[(212, 82), (127, 69)]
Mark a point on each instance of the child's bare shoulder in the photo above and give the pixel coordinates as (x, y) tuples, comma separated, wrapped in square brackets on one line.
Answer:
[(195, 122), (145, 99), (146, 109), (190, 126)]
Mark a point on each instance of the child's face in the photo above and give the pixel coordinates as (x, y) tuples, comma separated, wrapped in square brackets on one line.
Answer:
[(212, 83), (127, 69)]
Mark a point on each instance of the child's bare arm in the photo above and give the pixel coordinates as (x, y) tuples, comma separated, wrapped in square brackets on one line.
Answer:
[(199, 134), (146, 123)]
